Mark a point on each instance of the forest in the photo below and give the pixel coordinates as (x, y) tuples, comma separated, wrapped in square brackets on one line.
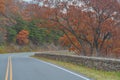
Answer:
[(86, 27)]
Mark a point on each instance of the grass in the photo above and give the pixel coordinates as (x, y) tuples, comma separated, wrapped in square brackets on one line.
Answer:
[(17, 48), (11, 48), (91, 73)]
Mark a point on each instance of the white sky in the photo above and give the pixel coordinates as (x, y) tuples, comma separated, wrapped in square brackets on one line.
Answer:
[(27, 0)]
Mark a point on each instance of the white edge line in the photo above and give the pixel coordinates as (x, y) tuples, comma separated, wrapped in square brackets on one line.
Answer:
[(53, 65)]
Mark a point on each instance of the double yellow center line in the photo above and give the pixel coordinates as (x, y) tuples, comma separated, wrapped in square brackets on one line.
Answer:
[(9, 69)]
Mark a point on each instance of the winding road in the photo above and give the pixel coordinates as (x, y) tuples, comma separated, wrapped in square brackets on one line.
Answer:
[(22, 67)]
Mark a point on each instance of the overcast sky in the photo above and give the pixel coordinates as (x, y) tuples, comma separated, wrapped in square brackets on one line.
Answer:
[(27, 0)]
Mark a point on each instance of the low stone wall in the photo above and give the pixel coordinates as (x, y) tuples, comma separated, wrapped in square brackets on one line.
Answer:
[(91, 62)]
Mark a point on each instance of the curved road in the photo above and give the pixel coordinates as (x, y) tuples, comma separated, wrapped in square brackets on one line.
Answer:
[(22, 67)]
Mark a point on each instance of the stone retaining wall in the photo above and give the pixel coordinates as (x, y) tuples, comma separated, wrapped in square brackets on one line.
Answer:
[(91, 62)]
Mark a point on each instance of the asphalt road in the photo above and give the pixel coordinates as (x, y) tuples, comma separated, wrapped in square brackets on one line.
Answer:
[(22, 67)]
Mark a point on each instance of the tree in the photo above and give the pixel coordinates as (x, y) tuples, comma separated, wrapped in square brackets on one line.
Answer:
[(11, 35), (2, 7), (40, 36), (8, 14), (22, 37), (89, 27)]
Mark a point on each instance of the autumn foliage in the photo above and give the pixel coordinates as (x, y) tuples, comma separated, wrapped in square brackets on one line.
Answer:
[(90, 27), (22, 37), (2, 6)]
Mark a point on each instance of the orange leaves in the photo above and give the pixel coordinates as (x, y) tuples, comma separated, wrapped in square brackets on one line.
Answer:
[(117, 50), (2, 6), (22, 37), (90, 38), (25, 15), (89, 27), (11, 7), (8, 10), (64, 40), (72, 48), (14, 9)]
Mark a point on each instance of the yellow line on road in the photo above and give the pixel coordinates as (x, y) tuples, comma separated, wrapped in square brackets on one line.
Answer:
[(9, 69)]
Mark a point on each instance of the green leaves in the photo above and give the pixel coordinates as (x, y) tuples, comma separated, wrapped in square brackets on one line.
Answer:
[(37, 35), (11, 35), (40, 36)]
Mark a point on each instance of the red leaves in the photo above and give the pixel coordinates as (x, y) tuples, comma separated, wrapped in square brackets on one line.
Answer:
[(22, 37)]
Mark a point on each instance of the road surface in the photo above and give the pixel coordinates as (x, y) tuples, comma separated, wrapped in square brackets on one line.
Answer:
[(22, 67)]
